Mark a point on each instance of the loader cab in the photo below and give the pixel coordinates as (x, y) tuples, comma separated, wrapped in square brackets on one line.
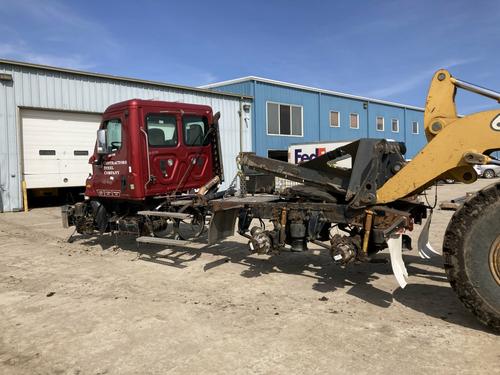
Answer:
[(149, 148)]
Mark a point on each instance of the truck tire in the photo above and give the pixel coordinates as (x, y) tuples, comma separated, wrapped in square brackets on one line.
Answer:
[(471, 251)]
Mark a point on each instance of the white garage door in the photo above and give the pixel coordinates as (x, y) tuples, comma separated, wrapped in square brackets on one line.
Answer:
[(57, 147)]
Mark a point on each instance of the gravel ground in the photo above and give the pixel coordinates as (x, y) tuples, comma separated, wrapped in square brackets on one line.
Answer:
[(98, 306)]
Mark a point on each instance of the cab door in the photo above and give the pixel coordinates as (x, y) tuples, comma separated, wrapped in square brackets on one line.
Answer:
[(179, 156), (198, 149), (165, 156), (110, 174)]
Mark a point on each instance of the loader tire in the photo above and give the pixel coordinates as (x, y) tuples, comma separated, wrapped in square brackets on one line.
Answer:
[(471, 251)]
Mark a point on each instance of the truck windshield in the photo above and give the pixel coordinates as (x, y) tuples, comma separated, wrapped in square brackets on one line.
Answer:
[(162, 130)]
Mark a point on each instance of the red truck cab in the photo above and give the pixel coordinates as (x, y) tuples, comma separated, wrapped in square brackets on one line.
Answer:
[(148, 148)]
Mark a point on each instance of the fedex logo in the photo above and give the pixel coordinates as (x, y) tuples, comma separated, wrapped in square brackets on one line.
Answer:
[(301, 157)]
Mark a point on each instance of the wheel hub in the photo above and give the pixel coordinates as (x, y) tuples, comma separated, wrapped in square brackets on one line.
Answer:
[(494, 260)]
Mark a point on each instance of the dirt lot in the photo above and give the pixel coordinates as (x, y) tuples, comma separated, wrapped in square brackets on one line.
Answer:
[(94, 307)]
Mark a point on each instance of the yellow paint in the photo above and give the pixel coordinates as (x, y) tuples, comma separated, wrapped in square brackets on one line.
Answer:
[(368, 227), (25, 195), (443, 156)]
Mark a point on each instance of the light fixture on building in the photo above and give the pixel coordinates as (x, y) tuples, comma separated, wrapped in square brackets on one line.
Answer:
[(5, 77), (365, 105)]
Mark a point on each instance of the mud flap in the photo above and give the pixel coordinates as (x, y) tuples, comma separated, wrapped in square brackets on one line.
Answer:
[(222, 225), (425, 249), (395, 245)]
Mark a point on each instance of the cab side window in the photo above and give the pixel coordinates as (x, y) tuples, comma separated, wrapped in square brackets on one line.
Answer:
[(162, 130), (194, 129), (114, 135)]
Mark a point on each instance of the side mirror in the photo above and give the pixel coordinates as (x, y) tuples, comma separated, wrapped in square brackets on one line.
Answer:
[(102, 146)]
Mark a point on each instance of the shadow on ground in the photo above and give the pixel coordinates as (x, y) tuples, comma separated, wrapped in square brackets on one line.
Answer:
[(434, 297)]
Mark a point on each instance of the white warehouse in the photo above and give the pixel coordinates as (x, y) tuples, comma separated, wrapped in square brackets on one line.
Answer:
[(49, 117)]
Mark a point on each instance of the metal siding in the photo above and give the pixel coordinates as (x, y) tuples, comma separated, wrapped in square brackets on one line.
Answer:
[(243, 88), (414, 142), (45, 89), (4, 142), (320, 115), (388, 113), (9, 182), (266, 92), (345, 107)]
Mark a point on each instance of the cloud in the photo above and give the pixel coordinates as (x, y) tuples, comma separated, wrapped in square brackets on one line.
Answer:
[(72, 61), (207, 78), (403, 86), (417, 79), (7, 49), (59, 16), (65, 34)]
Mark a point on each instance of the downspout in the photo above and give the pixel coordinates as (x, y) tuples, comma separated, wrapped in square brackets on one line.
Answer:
[(241, 124), (404, 128), (368, 119), (254, 128), (319, 118)]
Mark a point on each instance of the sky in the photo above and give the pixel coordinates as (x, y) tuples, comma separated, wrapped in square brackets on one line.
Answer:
[(381, 49)]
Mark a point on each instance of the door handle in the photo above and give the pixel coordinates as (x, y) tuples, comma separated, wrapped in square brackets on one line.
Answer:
[(123, 184), (163, 168)]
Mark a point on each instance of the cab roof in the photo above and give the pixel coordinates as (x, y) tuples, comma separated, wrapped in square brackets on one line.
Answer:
[(158, 103)]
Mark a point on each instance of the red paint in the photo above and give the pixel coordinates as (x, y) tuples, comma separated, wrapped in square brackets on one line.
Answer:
[(130, 162)]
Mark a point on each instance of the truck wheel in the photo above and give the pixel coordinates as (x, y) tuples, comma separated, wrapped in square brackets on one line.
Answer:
[(193, 227), (489, 173), (471, 251)]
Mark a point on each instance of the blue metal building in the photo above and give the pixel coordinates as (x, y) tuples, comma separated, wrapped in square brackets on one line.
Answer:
[(285, 113)]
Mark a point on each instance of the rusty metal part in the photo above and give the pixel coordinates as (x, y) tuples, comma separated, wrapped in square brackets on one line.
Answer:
[(374, 162), (293, 172), (283, 226), (494, 260), (368, 227), (260, 242), (385, 220), (210, 184), (345, 249), (308, 193), (218, 166), (222, 225)]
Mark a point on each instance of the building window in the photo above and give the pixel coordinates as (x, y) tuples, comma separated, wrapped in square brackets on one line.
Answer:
[(46, 152), (284, 119), (334, 119), (414, 127), (354, 121), (395, 125), (81, 153), (380, 123)]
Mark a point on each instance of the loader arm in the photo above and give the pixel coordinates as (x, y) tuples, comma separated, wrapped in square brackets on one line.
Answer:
[(454, 145)]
